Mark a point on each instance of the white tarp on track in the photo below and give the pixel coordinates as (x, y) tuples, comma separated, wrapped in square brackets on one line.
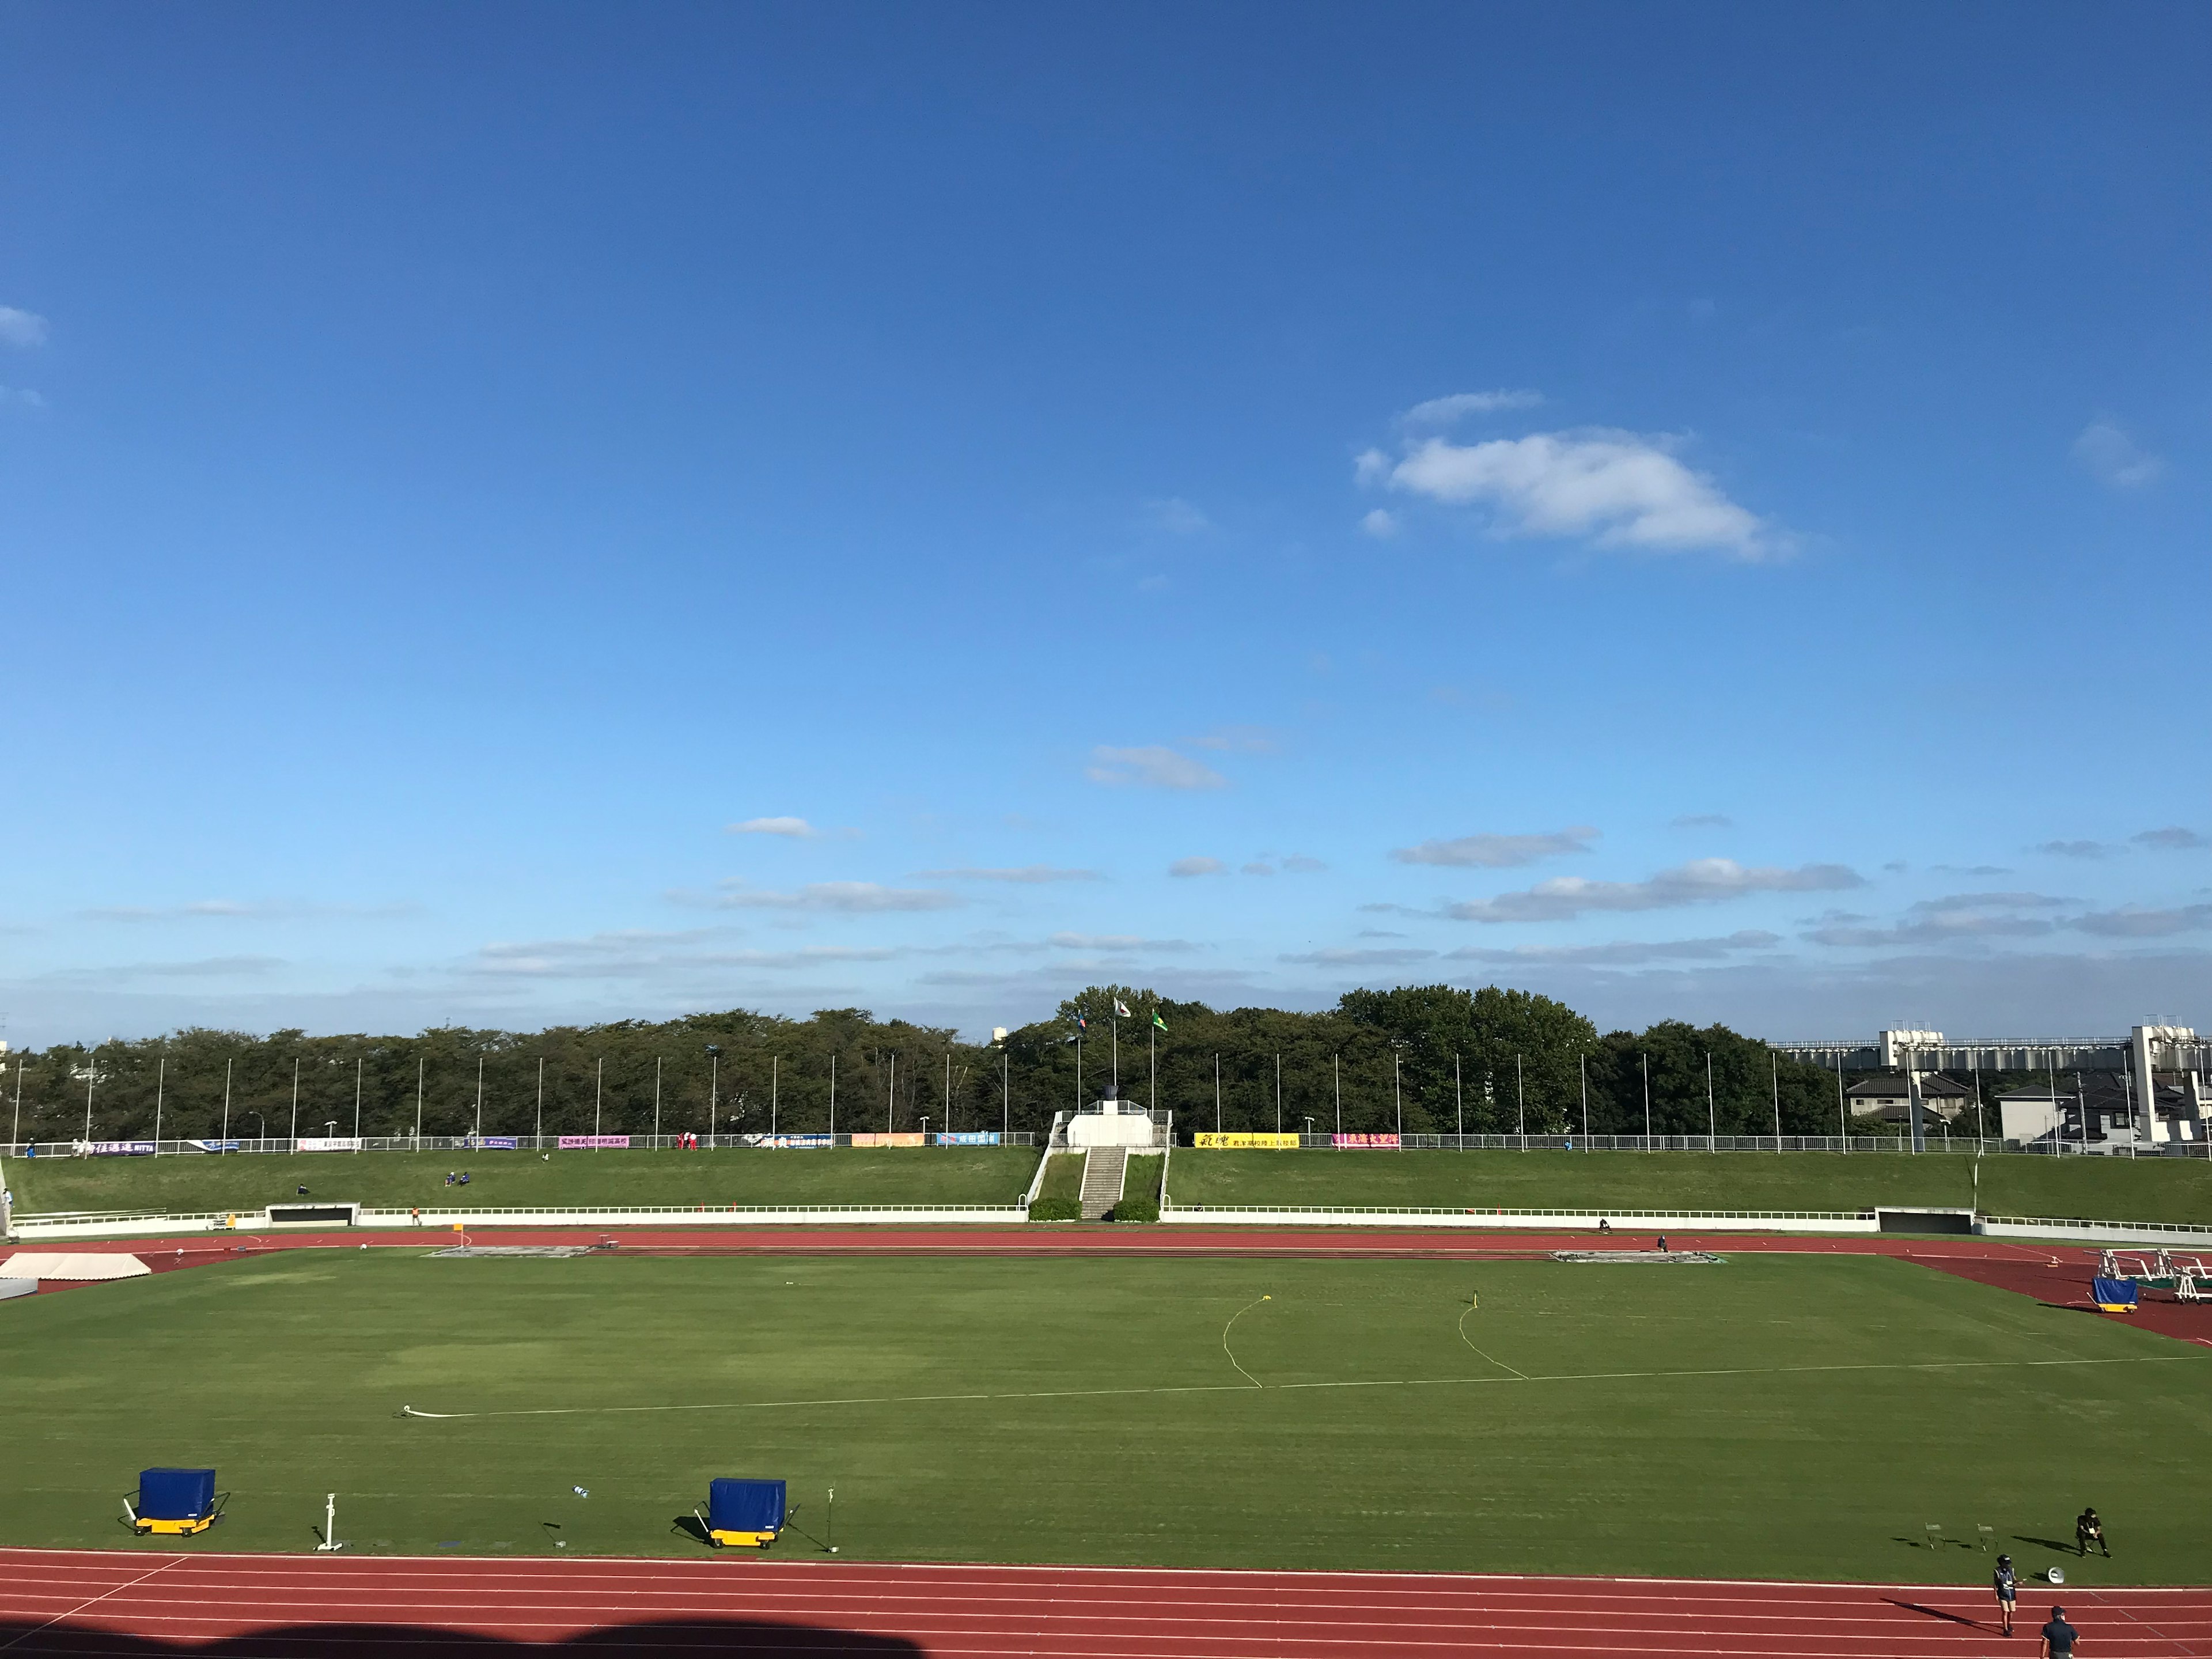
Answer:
[(54, 1264)]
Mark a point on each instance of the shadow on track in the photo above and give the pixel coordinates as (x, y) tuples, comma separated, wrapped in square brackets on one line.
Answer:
[(756, 1639)]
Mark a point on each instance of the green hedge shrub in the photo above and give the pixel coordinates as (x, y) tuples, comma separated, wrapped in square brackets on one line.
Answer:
[(1057, 1209), (1133, 1208)]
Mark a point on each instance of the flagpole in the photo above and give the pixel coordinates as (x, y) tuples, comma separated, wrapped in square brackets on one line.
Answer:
[(1153, 1088), (1117, 1023)]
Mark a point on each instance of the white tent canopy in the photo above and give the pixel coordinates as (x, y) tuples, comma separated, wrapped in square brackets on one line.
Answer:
[(56, 1264)]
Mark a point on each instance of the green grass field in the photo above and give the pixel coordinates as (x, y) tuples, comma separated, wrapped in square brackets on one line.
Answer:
[(2097, 1188), (1798, 1417), (855, 1174)]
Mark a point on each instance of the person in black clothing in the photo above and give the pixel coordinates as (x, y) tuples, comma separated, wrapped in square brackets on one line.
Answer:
[(2007, 1590), (2059, 1637), (2087, 1530)]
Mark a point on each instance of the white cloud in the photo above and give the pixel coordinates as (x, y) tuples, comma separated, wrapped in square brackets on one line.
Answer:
[(1627, 953), (1026, 874), (22, 328), (1359, 958), (797, 829), (2073, 849), (1703, 821), (20, 398), (1244, 740), (1381, 523), (2172, 839), (1154, 767), (1443, 411), (1177, 516), (2131, 923), (1931, 922), (2111, 457), (1619, 489), (1298, 864), (1258, 868), (1498, 851), (1117, 943), (1701, 881), (1198, 866), (850, 897)]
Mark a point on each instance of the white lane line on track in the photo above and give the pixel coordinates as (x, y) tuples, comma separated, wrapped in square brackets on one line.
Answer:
[(94, 1601)]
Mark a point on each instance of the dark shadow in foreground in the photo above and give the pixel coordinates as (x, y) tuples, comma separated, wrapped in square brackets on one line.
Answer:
[(698, 1637)]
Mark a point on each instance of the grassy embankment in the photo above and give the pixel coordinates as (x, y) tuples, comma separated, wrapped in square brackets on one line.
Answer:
[(884, 1175), (2097, 1189)]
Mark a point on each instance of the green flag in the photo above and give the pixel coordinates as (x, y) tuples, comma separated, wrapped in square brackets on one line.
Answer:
[(1157, 1021)]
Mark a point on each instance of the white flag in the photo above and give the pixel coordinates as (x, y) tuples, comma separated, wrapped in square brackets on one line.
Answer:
[(1121, 1008)]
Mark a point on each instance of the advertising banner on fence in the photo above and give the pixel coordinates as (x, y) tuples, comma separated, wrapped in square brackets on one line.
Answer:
[(585, 1143), (116, 1148), (1239, 1140), (1380, 1143), (785, 1142), (328, 1143), (969, 1138), (499, 1143), (901, 1138), (214, 1146)]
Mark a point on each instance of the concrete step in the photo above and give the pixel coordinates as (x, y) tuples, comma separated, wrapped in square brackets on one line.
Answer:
[(1104, 1169)]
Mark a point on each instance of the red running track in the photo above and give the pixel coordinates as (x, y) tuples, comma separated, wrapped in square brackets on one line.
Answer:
[(145, 1605)]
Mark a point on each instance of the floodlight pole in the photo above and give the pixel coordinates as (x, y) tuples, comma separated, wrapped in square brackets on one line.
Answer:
[(1646, 1059), (1843, 1124), (160, 1088)]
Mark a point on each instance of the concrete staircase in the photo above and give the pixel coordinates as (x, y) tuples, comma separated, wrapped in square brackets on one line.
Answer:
[(1104, 1169)]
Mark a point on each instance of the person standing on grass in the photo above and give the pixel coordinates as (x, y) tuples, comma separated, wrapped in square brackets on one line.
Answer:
[(2007, 1589), (2059, 1637)]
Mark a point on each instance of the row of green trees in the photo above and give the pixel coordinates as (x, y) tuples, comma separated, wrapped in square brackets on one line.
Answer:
[(1425, 1059)]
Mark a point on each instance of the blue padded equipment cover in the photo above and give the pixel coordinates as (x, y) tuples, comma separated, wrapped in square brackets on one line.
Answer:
[(175, 1494), (746, 1505), (2114, 1293)]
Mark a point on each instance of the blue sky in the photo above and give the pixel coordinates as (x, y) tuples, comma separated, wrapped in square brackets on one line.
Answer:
[(518, 512)]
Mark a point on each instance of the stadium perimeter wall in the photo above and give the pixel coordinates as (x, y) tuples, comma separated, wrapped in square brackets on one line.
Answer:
[(29, 1229)]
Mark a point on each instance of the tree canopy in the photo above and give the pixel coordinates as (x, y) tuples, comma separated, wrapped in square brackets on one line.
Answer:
[(1428, 1059)]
